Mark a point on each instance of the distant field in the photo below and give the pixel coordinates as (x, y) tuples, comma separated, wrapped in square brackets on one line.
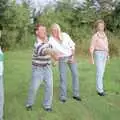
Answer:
[(17, 78)]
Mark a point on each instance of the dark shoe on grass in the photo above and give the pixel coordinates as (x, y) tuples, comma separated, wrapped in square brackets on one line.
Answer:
[(29, 108), (63, 101), (101, 94), (48, 109), (77, 98)]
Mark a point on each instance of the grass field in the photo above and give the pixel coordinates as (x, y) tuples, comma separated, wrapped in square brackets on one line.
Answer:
[(17, 78)]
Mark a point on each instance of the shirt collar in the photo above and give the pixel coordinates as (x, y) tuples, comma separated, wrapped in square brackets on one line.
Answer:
[(39, 40)]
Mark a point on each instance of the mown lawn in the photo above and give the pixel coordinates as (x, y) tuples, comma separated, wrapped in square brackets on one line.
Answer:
[(17, 78)]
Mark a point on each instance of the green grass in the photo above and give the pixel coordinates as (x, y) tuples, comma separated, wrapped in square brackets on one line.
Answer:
[(17, 78)]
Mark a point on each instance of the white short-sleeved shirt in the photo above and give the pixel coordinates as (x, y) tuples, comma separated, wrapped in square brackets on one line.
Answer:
[(64, 48)]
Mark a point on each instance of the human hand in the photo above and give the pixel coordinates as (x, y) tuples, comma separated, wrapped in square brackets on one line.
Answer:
[(91, 61), (71, 60), (54, 63)]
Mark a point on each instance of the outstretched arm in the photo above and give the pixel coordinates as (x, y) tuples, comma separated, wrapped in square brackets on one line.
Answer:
[(52, 53)]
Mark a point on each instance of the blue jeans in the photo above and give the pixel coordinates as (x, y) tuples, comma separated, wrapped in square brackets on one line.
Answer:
[(100, 61), (38, 75), (1, 97), (63, 62)]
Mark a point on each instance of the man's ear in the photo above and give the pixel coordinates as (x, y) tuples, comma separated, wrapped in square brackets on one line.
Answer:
[(36, 32)]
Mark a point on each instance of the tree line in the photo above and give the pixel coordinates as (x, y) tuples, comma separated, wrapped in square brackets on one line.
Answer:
[(17, 22)]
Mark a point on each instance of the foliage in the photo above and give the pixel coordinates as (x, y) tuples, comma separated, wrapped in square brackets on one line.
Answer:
[(113, 19), (3, 7), (75, 20), (16, 25), (78, 22)]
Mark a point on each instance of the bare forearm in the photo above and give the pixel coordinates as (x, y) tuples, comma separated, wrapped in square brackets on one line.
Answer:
[(91, 58)]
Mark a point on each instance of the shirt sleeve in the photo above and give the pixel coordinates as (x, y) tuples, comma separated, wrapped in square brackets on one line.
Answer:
[(46, 49), (93, 43), (70, 42)]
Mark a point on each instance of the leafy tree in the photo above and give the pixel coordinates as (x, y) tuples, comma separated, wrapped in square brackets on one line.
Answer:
[(3, 7), (113, 19), (18, 23)]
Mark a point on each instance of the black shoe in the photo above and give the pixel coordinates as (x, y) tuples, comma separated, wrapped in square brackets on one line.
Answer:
[(77, 98), (63, 101), (29, 108), (48, 109), (101, 94)]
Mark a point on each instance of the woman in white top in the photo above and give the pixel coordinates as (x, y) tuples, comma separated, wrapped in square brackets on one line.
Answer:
[(63, 44)]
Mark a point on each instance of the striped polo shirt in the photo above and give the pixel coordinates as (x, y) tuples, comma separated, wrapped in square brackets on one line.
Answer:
[(39, 58)]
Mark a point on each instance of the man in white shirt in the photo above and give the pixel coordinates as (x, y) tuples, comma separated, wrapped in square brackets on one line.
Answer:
[(63, 44)]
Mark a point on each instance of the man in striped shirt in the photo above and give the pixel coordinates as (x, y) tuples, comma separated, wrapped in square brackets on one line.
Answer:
[(41, 69)]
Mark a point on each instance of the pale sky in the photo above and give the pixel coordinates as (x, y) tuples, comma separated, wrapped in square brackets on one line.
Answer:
[(37, 3), (45, 1)]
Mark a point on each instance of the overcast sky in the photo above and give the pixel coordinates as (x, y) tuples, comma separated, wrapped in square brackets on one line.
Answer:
[(43, 1), (37, 3)]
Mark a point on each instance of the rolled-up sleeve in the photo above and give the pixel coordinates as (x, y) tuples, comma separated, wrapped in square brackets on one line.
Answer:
[(70, 42)]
